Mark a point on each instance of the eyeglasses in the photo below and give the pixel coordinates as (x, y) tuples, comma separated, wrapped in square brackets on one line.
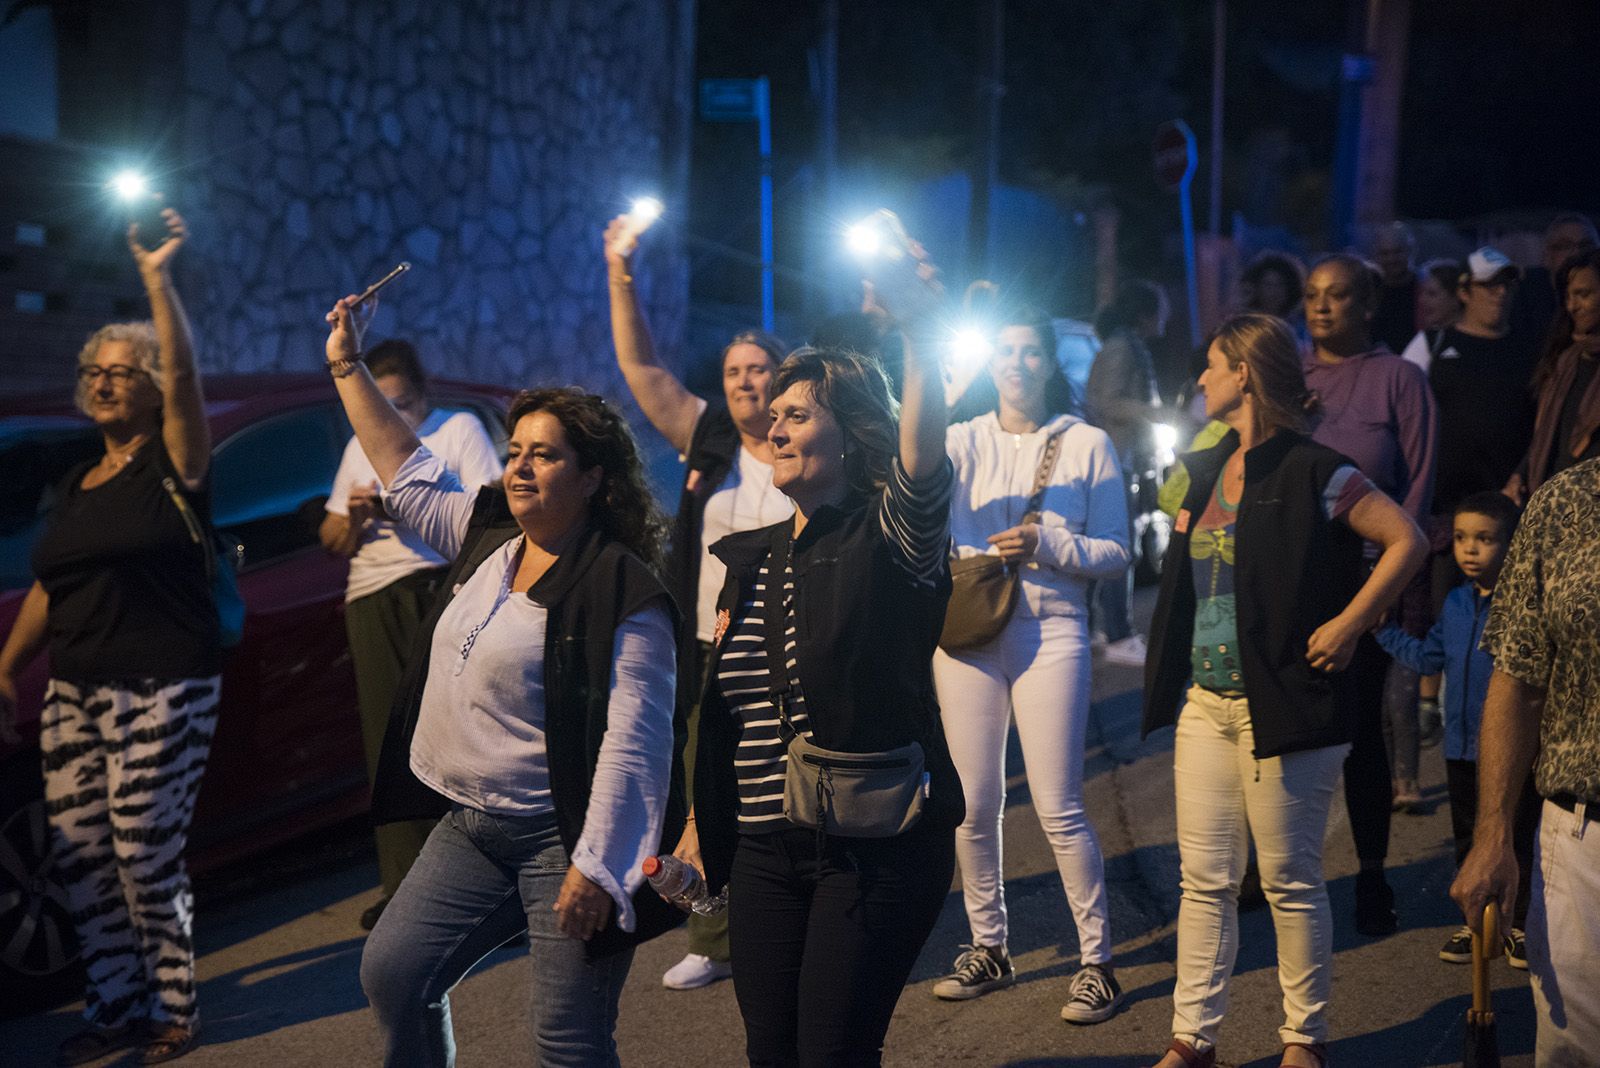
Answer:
[(119, 375)]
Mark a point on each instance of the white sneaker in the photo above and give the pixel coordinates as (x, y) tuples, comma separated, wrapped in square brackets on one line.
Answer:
[(1129, 651), (695, 971)]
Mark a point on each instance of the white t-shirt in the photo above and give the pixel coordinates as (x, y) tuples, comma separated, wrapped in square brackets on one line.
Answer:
[(389, 551), (746, 500)]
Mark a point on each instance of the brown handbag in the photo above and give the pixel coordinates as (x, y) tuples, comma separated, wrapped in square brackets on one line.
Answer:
[(984, 589)]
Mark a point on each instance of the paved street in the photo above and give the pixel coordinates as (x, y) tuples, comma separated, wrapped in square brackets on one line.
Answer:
[(279, 954)]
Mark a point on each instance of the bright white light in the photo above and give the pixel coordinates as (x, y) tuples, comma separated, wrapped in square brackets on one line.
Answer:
[(1165, 436), (646, 210), (969, 346), (130, 185), (863, 239)]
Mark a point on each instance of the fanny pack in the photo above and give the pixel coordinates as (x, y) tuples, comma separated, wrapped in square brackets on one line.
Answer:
[(853, 795)]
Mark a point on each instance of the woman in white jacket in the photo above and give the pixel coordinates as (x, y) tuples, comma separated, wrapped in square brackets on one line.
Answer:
[(1038, 667)]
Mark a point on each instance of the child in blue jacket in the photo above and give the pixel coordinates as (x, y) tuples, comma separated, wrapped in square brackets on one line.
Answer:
[(1483, 525)]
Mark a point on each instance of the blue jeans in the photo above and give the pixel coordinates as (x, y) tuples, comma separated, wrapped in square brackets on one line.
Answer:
[(480, 879)]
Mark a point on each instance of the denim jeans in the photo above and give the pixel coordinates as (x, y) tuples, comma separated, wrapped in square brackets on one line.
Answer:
[(481, 878), (1224, 794)]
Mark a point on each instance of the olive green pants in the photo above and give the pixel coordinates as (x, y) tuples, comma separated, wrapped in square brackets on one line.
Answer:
[(381, 627)]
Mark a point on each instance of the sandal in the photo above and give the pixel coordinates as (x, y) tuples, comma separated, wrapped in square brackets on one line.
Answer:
[(1191, 1057), (1319, 1050), (92, 1043), (168, 1042)]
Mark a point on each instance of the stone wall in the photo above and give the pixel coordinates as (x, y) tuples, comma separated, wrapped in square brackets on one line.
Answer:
[(485, 141)]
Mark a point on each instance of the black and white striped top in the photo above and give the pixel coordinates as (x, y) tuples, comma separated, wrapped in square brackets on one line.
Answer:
[(915, 520)]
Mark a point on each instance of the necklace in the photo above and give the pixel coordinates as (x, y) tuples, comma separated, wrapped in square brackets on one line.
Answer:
[(119, 462)]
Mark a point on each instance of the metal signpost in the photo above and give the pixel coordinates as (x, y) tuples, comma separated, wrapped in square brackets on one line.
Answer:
[(1175, 161), (749, 100)]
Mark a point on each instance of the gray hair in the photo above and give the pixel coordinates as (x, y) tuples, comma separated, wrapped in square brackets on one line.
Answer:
[(141, 340)]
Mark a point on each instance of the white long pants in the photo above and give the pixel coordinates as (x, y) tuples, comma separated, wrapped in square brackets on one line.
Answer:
[(1566, 887), (1037, 669), (1224, 794)]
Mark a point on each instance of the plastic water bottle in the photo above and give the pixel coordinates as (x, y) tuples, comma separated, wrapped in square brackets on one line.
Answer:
[(680, 884)]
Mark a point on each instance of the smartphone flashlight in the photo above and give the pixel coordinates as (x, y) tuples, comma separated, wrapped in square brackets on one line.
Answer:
[(862, 239), (645, 210), (130, 185), (372, 290), (969, 347), (141, 206)]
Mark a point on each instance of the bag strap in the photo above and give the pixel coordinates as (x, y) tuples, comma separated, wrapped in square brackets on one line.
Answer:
[(1047, 464), (775, 619), (192, 522)]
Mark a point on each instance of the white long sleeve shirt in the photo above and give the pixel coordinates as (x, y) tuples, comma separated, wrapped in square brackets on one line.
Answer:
[(480, 737), (1083, 517)]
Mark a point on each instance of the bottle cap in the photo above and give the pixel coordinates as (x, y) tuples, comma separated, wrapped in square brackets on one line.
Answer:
[(650, 867)]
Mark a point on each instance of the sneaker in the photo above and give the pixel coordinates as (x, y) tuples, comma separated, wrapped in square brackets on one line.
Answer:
[(1129, 651), (977, 970), (1095, 996), (1430, 724), (1375, 905), (695, 971), (1458, 950), (1517, 950)]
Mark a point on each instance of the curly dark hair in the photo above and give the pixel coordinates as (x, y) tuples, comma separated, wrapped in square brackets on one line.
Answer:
[(622, 506), (856, 392)]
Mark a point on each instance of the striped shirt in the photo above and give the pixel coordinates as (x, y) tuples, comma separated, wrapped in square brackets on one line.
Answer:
[(915, 520)]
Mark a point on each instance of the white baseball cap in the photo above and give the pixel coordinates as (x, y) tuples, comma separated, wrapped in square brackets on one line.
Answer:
[(1489, 263)]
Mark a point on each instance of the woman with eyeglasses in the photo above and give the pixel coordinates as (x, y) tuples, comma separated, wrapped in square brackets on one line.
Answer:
[(123, 605)]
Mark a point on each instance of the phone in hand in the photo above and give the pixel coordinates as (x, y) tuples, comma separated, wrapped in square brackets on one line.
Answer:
[(144, 211)]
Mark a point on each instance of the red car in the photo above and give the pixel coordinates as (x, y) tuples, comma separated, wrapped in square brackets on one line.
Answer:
[(287, 756)]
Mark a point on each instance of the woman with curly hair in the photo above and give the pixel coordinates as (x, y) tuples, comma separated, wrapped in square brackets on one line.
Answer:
[(539, 723)]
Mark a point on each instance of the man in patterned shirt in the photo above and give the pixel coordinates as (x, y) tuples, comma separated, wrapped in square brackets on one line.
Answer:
[(1544, 702)]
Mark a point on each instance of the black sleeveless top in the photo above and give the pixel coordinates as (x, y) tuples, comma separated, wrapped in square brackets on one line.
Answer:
[(129, 598)]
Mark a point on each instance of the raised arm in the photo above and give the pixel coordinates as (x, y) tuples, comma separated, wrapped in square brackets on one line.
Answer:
[(384, 435), (665, 401), (1403, 549), (183, 412), (910, 291)]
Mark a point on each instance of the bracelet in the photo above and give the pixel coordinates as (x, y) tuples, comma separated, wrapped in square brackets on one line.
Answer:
[(344, 368)]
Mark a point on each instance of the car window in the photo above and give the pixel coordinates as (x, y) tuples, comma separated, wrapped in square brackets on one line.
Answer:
[(35, 454), (269, 481)]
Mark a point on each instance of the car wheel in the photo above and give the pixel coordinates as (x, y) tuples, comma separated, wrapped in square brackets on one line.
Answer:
[(39, 965)]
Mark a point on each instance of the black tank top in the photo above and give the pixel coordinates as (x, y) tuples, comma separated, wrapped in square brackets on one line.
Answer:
[(129, 598)]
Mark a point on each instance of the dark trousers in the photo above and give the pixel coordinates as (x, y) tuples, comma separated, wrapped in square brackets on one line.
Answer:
[(822, 946), (381, 626), (708, 935), (1461, 777), (1368, 791)]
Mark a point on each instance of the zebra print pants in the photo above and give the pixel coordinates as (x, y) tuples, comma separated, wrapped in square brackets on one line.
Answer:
[(122, 766)]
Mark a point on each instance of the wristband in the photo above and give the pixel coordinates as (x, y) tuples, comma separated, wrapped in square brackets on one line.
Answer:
[(344, 368)]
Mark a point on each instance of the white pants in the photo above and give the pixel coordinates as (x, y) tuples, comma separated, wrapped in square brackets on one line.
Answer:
[(1224, 794), (1039, 670), (1565, 970)]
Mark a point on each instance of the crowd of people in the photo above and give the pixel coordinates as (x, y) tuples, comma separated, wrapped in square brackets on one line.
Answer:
[(803, 685)]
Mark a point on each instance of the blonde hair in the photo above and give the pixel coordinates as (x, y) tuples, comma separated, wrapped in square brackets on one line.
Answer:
[(141, 341), (1267, 345)]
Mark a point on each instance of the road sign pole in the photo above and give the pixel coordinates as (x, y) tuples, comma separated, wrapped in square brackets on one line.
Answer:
[(764, 131), (1186, 203)]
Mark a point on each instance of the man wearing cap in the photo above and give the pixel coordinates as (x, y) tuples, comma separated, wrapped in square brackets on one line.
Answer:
[(1479, 373)]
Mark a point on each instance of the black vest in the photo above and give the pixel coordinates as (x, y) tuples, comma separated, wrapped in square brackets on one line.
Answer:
[(865, 637), (713, 447), (1294, 570), (588, 592)]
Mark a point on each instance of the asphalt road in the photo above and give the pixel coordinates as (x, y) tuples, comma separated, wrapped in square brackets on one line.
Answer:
[(279, 948)]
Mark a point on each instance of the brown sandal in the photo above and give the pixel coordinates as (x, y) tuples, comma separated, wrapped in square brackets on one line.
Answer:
[(168, 1042), (92, 1043), (1191, 1057), (1319, 1050)]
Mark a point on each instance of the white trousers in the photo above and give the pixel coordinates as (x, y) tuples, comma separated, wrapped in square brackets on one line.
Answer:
[(1566, 969), (1224, 794), (1038, 670)]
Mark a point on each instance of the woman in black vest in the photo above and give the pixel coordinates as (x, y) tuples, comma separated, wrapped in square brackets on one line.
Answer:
[(545, 719), (727, 487), (1263, 596), (825, 633)]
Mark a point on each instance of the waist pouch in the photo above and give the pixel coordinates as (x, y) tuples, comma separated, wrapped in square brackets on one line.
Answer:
[(854, 795)]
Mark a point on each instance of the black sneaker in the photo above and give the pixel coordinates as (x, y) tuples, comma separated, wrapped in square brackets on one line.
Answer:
[(978, 970), (1516, 950), (1095, 996), (1374, 905), (1459, 949)]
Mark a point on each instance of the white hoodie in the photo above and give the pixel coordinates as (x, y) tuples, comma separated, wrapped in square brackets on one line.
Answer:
[(1084, 515)]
